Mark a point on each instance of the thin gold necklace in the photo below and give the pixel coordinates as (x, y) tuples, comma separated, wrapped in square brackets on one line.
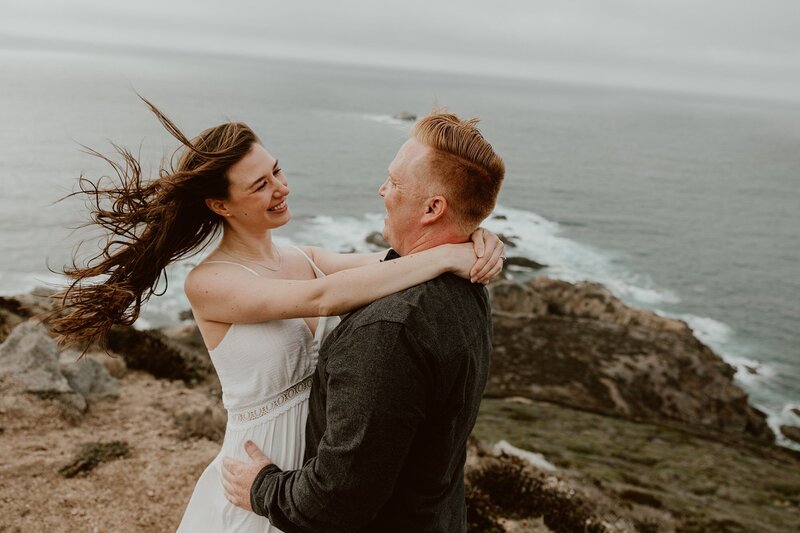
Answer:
[(277, 251)]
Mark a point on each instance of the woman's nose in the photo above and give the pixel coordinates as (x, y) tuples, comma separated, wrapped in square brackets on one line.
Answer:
[(281, 190)]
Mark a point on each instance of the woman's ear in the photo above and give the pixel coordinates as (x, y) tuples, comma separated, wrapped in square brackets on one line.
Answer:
[(218, 206)]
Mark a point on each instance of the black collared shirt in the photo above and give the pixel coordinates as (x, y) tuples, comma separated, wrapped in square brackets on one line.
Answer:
[(394, 398)]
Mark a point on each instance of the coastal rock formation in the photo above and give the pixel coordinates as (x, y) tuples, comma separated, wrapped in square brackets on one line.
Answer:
[(578, 345), (88, 377), (115, 364), (14, 310), (154, 352), (29, 356), (517, 300), (561, 342)]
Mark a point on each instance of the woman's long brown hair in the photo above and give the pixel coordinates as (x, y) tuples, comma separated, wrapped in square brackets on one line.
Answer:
[(148, 224)]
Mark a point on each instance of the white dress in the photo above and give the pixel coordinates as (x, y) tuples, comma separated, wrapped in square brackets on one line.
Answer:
[(265, 370)]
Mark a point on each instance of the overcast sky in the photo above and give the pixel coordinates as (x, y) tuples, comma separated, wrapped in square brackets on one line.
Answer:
[(721, 46)]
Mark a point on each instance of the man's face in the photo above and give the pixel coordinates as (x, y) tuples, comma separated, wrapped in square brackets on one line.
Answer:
[(403, 196)]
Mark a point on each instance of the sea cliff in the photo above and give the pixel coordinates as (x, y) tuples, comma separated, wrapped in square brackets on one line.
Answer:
[(597, 417)]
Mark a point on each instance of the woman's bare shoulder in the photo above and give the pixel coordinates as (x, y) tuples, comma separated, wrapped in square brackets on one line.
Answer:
[(201, 276)]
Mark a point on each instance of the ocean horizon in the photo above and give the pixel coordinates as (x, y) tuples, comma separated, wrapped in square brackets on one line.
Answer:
[(686, 204)]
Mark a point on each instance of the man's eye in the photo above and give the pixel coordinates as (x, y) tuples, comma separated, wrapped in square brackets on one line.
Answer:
[(277, 171), (263, 184)]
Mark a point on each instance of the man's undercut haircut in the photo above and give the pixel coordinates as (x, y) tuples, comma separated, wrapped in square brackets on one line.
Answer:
[(462, 166)]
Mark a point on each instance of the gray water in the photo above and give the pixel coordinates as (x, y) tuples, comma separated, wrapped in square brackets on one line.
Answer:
[(686, 204)]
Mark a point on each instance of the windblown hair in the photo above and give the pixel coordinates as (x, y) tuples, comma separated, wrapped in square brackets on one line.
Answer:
[(148, 224), (462, 167)]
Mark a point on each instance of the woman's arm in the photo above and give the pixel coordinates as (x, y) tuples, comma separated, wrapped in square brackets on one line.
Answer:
[(484, 241), (218, 296), (332, 262)]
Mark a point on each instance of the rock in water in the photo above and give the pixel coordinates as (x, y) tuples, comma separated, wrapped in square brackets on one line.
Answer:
[(405, 115), (30, 357), (791, 432), (376, 238), (523, 262), (751, 369), (508, 240), (88, 377), (92, 454)]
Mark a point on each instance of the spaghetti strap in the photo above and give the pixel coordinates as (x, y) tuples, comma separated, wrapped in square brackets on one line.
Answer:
[(317, 272), (232, 263)]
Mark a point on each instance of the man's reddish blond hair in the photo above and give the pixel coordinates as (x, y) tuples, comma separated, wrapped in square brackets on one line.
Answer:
[(462, 166)]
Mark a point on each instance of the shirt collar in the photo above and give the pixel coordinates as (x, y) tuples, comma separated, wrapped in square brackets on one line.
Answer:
[(391, 254)]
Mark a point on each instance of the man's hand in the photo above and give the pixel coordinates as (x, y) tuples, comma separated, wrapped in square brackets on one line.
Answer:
[(238, 477)]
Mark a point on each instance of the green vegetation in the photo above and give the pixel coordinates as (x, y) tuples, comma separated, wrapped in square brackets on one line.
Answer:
[(707, 483)]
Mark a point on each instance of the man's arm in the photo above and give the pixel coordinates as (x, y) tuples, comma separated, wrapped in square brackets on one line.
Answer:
[(376, 399)]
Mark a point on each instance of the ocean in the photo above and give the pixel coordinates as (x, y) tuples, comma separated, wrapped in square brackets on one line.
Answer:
[(686, 204)]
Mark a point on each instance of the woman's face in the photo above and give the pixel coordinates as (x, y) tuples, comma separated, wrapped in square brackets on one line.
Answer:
[(257, 191)]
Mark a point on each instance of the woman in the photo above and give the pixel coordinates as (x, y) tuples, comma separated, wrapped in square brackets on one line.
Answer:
[(256, 305)]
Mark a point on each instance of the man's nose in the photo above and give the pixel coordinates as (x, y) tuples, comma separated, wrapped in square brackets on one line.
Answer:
[(382, 188)]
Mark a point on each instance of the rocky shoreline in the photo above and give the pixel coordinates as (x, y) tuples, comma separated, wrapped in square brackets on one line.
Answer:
[(594, 385), (578, 345)]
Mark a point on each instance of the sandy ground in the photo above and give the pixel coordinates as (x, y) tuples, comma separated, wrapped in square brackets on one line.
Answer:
[(146, 491)]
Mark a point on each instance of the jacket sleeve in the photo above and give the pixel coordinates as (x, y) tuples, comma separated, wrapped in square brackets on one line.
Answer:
[(376, 399)]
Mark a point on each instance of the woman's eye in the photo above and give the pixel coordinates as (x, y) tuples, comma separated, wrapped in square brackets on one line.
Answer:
[(264, 184), (277, 171)]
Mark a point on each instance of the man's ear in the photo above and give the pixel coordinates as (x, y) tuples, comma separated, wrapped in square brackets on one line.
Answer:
[(218, 206), (435, 209)]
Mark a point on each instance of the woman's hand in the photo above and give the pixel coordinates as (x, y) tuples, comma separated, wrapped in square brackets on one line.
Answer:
[(490, 251), (462, 259)]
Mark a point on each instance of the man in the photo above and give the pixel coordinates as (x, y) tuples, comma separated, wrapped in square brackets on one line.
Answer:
[(399, 382)]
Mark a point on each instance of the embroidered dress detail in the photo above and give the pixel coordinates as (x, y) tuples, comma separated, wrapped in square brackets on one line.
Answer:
[(273, 407)]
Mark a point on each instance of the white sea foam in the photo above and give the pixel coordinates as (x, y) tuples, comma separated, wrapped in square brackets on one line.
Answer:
[(540, 239), (709, 331), (784, 418), (342, 233), (535, 237)]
